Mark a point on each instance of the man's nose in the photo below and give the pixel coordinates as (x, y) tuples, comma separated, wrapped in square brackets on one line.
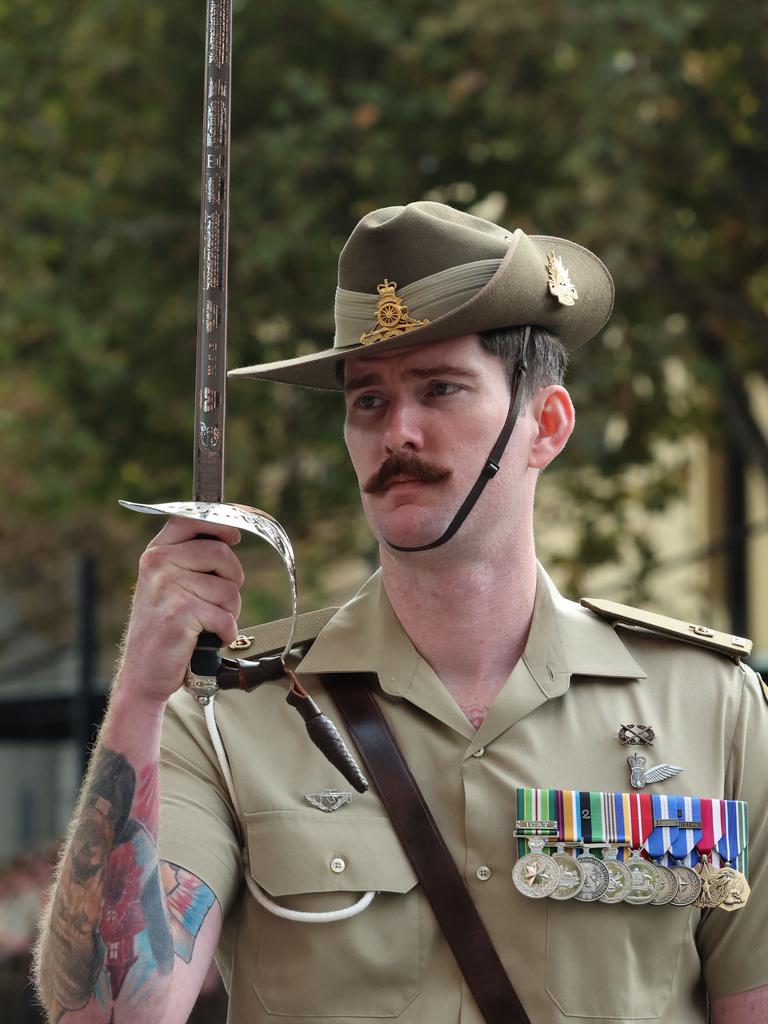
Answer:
[(402, 429)]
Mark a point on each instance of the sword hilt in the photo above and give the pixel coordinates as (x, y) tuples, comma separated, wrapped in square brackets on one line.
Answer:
[(206, 660)]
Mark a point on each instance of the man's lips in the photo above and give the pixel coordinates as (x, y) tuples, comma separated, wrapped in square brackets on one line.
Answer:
[(403, 481)]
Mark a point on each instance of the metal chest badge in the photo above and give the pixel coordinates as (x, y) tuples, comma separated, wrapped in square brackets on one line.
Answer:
[(639, 777), (329, 799)]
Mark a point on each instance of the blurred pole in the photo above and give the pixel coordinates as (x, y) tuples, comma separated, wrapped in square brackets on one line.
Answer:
[(82, 726), (736, 580)]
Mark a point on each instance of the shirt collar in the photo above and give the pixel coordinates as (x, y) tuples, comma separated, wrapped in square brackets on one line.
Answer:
[(565, 640)]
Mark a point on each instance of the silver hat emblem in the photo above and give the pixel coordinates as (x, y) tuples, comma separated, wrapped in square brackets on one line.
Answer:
[(640, 778), (329, 799)]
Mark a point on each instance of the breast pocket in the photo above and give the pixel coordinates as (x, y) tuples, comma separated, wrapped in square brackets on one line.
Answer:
[(613, 962), (369, 965)]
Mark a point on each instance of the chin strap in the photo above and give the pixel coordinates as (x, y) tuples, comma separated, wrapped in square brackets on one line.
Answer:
[(492, 463)]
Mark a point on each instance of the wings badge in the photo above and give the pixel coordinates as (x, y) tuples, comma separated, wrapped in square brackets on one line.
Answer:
[(639, 777)]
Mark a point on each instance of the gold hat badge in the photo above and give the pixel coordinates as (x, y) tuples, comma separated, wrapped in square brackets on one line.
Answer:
[(391, 315), (560, 284)]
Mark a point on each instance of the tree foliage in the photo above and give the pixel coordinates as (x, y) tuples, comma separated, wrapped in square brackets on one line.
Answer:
[(636, 128)]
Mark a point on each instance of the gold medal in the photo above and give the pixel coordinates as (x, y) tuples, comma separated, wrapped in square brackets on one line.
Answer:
[(738, 891), (714, 885)]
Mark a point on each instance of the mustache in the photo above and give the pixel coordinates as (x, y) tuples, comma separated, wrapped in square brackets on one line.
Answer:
[(405, 465)]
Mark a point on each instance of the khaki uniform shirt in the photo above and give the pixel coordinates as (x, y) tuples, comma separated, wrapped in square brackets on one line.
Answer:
[(554, 724)]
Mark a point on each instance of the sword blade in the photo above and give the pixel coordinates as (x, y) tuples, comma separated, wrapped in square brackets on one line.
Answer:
[(210, 379)]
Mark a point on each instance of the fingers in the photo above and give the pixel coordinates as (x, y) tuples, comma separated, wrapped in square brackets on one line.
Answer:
[(185, 613), (212, 590), (179, 529), (201, 556)]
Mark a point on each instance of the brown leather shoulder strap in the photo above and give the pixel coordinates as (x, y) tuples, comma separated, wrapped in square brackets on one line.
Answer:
[(423, 842)]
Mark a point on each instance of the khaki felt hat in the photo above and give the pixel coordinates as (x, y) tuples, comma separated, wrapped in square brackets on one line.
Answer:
[(425, 272)]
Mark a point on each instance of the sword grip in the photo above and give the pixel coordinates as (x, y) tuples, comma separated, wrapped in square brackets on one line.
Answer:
[(205, 660)]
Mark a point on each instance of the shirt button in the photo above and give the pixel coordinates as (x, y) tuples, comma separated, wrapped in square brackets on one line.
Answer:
[(483, 873), (478, 753), (338, 864)]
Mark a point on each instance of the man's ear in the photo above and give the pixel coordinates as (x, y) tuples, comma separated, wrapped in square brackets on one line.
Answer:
[(552, 410)]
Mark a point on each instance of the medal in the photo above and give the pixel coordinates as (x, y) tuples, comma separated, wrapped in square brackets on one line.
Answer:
[(645, 877), (596, 878), (586, 829), (714, 885), (659, 843), (688, 887), (668, 886), (536, 875), (620, 881), (675, 833), (571, 875), (645, 880), (687, 811), (738, 891)]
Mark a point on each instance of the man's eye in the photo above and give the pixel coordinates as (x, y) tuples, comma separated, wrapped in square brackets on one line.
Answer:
[(368, 401), (442, 387)]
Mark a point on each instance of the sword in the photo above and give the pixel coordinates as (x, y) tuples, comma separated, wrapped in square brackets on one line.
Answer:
[(209, 672)]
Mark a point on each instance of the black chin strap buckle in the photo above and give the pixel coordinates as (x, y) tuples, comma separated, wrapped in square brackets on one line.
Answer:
[(491, 468)]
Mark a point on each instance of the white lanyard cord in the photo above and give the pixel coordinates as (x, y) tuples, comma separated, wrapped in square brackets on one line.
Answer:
[(306, 916)]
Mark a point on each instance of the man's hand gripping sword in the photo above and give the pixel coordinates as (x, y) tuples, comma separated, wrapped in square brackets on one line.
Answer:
[(209, 672)]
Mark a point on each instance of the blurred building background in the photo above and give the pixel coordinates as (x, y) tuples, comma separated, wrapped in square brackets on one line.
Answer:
[(636, 128)]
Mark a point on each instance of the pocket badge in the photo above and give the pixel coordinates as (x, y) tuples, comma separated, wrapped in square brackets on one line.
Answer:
[(329, 799)]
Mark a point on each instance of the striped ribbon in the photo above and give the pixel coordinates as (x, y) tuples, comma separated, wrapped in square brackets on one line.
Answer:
[(685, 839), (626, 820), (733, 843), (660, 839)]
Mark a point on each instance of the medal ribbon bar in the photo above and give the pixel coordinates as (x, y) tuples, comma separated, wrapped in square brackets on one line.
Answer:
[(672, 830)]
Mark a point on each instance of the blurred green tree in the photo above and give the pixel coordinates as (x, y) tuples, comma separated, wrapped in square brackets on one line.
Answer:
[(637, 128)]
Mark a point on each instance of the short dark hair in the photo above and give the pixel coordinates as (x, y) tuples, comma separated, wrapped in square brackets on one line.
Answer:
[(547, 357)]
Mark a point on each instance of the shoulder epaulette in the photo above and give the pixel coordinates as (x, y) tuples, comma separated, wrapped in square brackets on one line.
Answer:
[(271, 637), (703, 636)]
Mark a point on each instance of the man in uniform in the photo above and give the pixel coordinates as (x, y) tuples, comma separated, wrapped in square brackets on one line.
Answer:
[(492, 683)]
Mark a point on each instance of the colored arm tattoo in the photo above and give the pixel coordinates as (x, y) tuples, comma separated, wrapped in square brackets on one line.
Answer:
[(188, 901), (110, 934)]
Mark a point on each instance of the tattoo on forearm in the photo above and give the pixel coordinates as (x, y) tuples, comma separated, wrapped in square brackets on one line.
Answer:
[(188, 901), (108, 919)]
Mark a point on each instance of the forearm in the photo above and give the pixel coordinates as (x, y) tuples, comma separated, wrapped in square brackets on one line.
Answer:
[(743, 1008), (106, 950), (120, 927)]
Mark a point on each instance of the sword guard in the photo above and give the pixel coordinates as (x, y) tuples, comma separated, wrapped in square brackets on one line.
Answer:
[(206, 677)]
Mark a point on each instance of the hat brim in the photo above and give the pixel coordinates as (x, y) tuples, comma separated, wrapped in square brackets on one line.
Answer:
[(517, 295)]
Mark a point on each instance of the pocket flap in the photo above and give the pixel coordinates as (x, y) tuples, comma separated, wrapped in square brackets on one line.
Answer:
[(292, 852)]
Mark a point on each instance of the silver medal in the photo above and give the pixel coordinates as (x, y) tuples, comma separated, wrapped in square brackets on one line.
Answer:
[(536, 875), (645, 880), (688, 887), (620, 881), (667, 886), (596, 878), (571, 875)]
